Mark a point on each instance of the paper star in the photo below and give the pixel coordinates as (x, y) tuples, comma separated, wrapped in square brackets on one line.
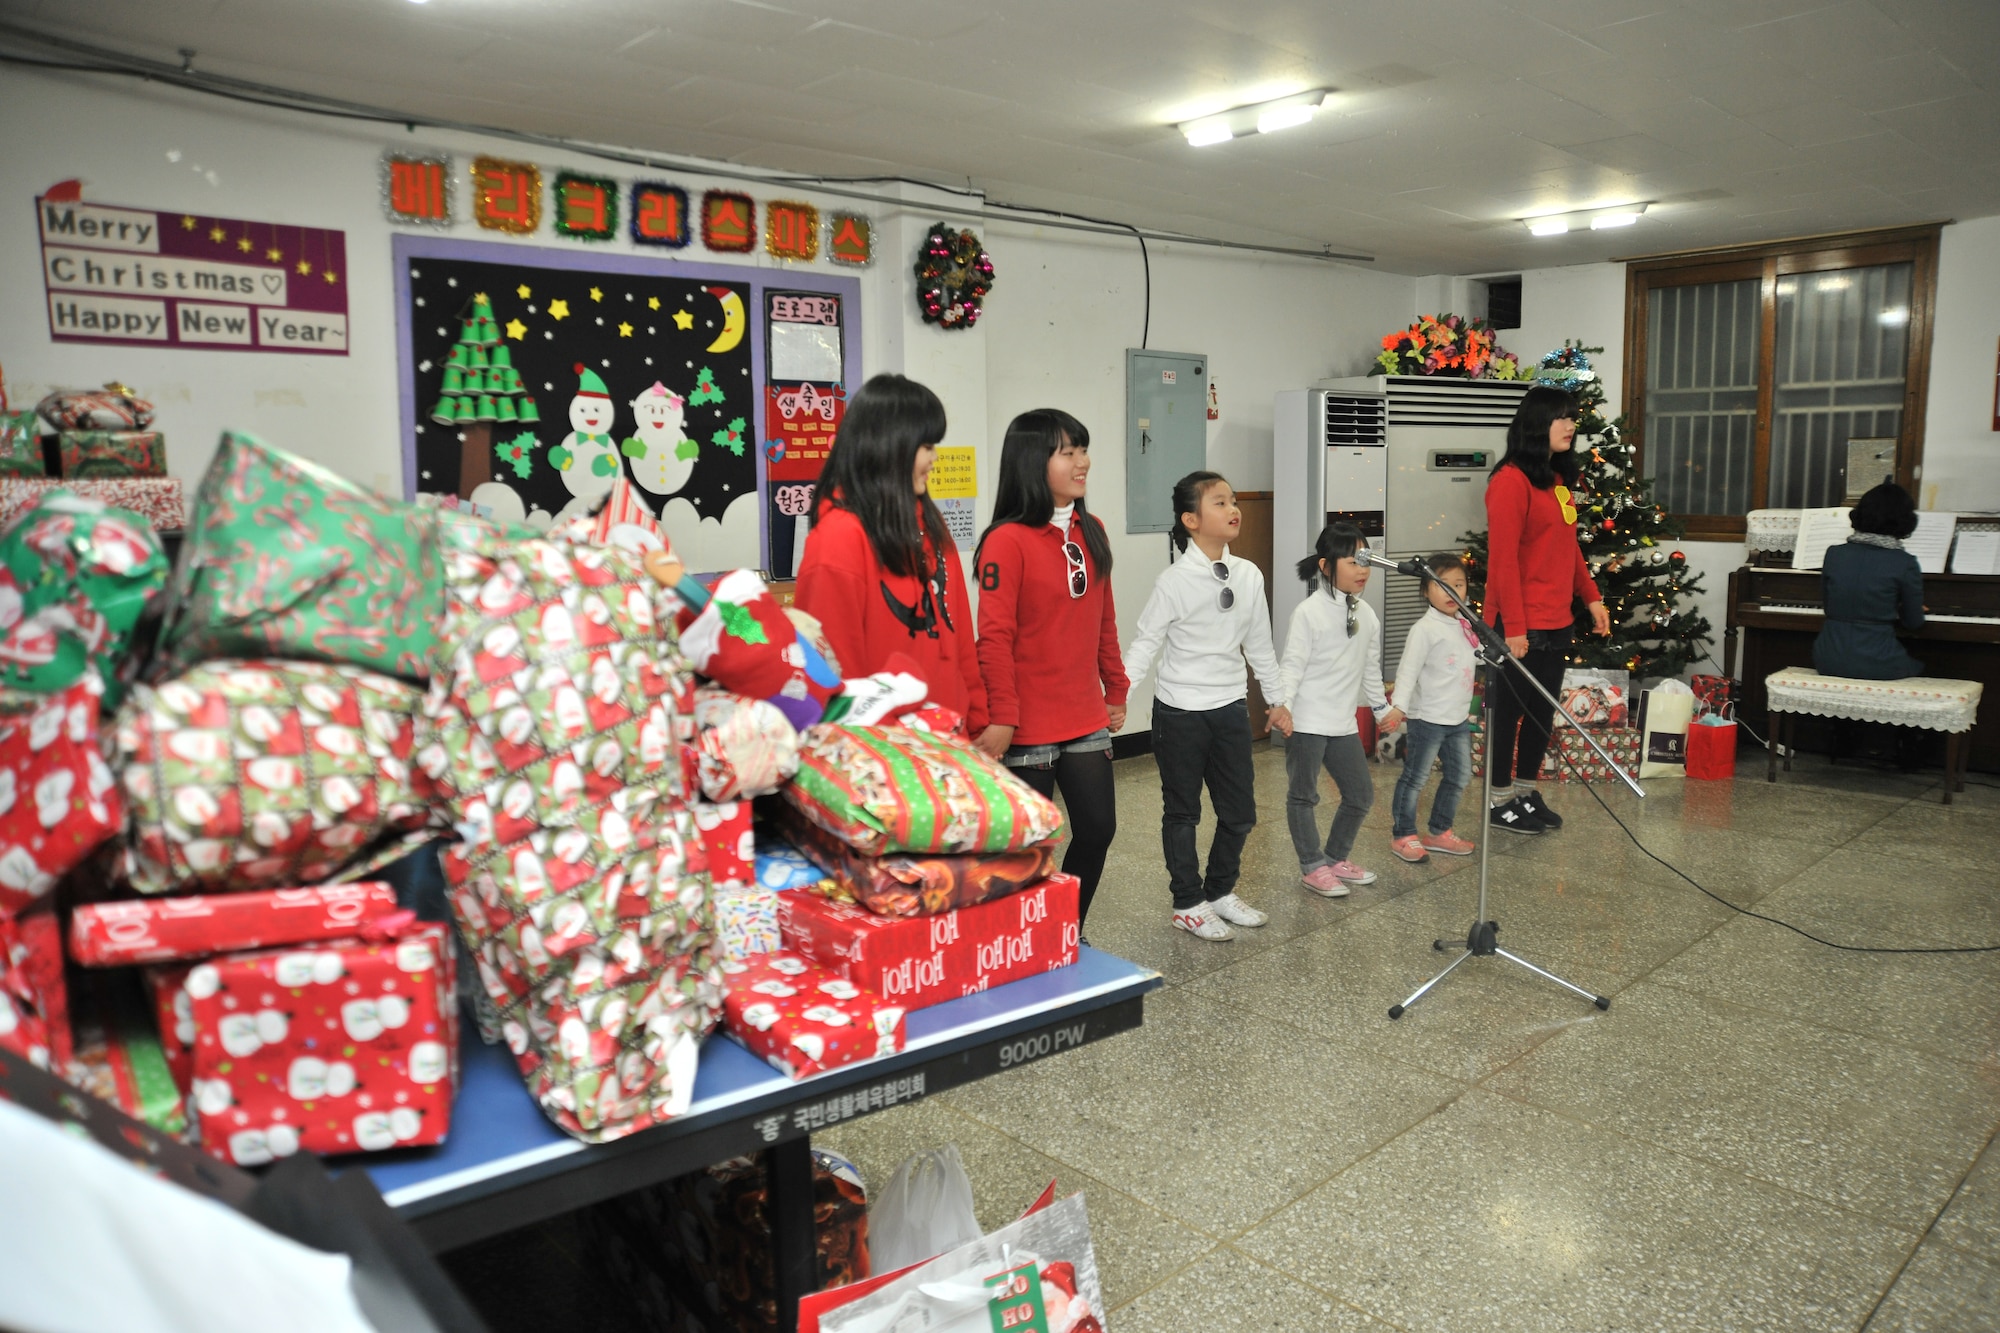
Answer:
[(218, 235), (516, 329), (558, 310), (330, 277), (596, 294), (523, 291), (275, 255), (479, 298), (305, 267), (624, 330), (652, 303), (187, 222), (243, 244), (683, 320)]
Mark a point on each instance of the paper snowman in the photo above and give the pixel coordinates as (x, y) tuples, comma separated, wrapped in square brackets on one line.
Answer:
[(662, 455), (587, 458)]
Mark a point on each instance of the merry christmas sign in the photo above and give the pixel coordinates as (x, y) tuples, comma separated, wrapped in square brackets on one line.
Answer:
[(147, 278)]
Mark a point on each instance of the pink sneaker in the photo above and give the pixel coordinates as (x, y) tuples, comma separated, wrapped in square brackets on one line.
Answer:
[(1353, 874), (1409, 849), (1449, 843), (1324, 882)]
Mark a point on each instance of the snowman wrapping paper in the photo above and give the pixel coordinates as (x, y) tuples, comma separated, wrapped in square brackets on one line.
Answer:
[(804, 1019), (348, 1047), (58, 798), (265, 774), (559, 723)]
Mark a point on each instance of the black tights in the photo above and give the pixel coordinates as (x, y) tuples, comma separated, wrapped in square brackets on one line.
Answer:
[(1092, 803), (1515, 706)]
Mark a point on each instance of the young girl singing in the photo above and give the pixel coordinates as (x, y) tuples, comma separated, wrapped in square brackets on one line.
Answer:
[(1206, 615), (1333, 659)]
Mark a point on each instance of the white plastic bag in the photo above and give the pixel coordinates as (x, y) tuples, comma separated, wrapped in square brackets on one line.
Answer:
[(924, 1210), (1664, 714)]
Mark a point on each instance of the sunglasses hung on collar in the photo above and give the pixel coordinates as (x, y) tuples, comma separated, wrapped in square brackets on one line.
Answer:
[(1079, 575), (1221, 572)]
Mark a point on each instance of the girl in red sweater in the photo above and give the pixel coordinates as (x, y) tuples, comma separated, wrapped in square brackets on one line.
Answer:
[(1535, 572), (1044, 596), (880, 572)]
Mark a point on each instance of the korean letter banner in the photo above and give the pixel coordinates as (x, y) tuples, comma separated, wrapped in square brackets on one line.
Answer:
[(289, 559), (805, 1019), (350, 1047), (262, 774), (895, 789), (187, 926)]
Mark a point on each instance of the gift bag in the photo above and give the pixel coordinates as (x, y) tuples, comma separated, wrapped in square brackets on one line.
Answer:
[(58, 799), (1714, 694), (924, 1210), (1664, 714), (1711, 748), (285, 558)]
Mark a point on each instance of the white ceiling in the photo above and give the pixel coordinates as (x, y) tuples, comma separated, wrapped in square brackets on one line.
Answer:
[(1742, 119)]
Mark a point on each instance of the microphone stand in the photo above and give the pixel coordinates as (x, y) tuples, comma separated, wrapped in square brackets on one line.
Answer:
[(1481, 940)]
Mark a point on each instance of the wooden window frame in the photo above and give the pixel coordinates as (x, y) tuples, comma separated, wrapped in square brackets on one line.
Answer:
[(1916, 246)]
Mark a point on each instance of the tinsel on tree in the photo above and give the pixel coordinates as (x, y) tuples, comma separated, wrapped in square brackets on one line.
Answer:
[(1647, 588)]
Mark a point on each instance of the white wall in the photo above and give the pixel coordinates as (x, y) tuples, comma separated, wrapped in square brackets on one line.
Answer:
[(1961, 450)]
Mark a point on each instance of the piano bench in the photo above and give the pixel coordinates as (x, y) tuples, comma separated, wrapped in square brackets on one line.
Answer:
[(1916, 701)]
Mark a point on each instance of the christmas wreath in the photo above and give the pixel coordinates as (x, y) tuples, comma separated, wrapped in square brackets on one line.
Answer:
[(954, 273), (1447, 345)]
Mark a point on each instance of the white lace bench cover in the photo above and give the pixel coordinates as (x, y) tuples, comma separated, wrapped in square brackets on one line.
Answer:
[(1771, 530), (1919, 701)]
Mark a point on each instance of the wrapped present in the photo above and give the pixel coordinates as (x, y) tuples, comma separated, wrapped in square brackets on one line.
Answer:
[(112, 453), (285, 558), (350, 1047), (805, 1019), (161, 501), (118, 1057), (1566, 745), (899, 789), (743, 747), (921, 961), (1714, 695), (744, 641), (75, 576), (727, 837), (781, 866), (58, 799), (154, 930), (114, 407), (1595, 697), (912, 884), (173, 1012), (21, 445), (34, 1002), (558, 722), (746, 920), (262, 774)]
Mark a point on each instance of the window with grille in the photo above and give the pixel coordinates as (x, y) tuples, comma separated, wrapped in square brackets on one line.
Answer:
[(1748, 371)]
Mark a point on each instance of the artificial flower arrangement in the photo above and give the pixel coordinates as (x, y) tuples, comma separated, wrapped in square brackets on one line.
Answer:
[(1448, 345)]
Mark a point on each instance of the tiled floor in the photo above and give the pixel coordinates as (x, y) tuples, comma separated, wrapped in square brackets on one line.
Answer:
[(1762, 1134)]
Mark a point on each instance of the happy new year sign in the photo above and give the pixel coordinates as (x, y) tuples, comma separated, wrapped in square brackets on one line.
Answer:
[(137, 277)]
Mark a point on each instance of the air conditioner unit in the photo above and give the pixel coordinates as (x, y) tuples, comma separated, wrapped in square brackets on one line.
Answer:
[(1406, 456)]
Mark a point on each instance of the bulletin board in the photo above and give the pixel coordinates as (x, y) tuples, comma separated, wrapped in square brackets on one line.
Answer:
[(532, 377)]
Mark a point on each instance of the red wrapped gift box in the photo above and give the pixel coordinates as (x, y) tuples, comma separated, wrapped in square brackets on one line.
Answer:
[(58, 799), (727, 837), (804, 1019), (173, 1012), (1566, 743), (158, 930), (352, 1047), (924, 960), (34, 1001)]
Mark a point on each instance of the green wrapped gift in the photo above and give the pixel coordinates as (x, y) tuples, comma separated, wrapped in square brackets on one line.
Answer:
[(20, 446), (75, 574), (113, 453), (285, 558)]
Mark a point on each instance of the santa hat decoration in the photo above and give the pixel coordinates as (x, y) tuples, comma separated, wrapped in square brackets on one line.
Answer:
[(587, 383)]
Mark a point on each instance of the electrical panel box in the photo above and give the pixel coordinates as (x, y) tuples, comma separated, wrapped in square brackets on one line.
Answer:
[(1166, 432)]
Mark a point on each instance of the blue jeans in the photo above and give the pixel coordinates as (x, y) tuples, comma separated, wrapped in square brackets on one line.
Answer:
[(1425, 742)]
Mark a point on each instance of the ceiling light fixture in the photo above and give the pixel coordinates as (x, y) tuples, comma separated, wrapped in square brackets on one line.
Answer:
[(1280, 113), (1556, 226), (1597, 219), (1606, 220)]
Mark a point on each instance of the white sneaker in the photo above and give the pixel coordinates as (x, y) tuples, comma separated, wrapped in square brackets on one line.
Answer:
[(1237, 912), (1202, 923)]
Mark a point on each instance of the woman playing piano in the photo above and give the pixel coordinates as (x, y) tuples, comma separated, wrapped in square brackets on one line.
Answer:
[(1869, 586)]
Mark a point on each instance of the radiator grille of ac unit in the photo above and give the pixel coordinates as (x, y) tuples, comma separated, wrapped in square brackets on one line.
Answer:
[(1421, 400), (1404, 605), (1361, 419)]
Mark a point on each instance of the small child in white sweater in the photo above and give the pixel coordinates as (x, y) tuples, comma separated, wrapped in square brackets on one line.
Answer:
[(1434, 688)]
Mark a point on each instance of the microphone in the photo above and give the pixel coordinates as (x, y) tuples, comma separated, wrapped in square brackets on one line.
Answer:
[(1413, 567)]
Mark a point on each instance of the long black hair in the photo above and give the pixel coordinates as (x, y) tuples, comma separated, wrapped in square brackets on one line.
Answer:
[(1022, 493), (868, 471), (1886, 510), (1187, 500), (1337, 541), (1528, 439)]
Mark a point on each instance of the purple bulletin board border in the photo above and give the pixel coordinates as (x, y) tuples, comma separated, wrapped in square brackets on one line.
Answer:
[(406, 247)]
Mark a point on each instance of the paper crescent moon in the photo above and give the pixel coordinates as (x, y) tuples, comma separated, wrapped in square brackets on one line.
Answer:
[(733, 319)]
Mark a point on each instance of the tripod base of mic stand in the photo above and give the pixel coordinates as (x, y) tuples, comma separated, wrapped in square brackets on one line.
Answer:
[(1482, 941)]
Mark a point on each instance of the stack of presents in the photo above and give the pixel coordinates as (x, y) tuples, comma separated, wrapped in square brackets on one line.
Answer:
[(1601, 701), (98, 443), (213, 774)]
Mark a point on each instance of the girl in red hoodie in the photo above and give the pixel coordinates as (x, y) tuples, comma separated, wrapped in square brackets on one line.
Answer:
[(1535, 571), (1044, 597), (880, 572)]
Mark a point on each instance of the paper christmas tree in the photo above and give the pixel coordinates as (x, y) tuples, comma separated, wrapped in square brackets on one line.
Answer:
[(480, 382)]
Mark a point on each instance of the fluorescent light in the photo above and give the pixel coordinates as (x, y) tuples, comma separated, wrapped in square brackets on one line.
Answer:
[(1555, 226), (1201, 133), (1280, 113), (1606, 220), (1835, 284), (1284, 117), (1900, 315)]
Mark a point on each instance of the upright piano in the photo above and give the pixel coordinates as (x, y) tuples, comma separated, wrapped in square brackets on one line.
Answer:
[(1774, 615)]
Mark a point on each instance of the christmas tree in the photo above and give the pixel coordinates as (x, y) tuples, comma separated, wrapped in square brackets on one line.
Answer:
[(1654, 633), (483, 395)]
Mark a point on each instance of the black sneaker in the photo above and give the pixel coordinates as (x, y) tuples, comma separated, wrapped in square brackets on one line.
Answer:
[(1514, 819), (1532, 803)]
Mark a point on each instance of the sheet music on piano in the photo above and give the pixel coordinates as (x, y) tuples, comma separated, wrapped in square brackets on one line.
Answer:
[(1977, 553), (1931, 542), (1818, 530)]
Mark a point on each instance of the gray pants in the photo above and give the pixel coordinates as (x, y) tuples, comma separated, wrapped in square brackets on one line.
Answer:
[(1345, 761)]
